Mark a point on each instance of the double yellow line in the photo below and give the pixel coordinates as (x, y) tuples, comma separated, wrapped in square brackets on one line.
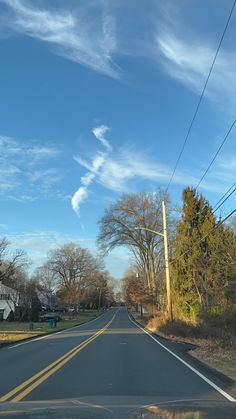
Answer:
[(22, 390)]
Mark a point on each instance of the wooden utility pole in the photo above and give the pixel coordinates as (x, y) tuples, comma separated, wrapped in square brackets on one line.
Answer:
[(167, 270), (168, 289), (99, 298)]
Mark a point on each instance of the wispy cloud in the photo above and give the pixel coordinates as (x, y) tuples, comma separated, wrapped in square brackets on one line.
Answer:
[(9, 147), (93, 169), (127, 165), (124, 169), (183, 61), (9, 176), (47, 178), (99, 133), (79, 35), (187, 54), (87, 33), (229, 164), (24, 169), (39, 153), (82, 193), (38, 243), (222, 173)]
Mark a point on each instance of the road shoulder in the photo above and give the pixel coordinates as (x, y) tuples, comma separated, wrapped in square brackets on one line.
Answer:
[(190, 351)]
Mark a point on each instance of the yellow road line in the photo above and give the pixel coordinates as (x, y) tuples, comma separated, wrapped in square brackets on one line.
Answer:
[(50, 369), (34, 377)]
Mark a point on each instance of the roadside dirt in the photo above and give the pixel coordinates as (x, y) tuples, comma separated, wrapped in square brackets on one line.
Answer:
[(223, 360)]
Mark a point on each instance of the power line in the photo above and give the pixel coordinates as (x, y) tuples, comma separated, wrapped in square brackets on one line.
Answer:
[(219, 203), (201, 96), (224, 195), (203, 238), (216, 154)]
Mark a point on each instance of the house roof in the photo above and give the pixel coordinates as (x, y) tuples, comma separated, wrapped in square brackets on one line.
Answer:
[(4, 289)]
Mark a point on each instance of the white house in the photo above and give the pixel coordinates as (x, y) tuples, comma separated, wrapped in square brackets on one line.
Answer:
[(9, 299)]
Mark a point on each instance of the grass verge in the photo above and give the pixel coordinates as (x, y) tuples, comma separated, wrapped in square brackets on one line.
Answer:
[(14, 331)]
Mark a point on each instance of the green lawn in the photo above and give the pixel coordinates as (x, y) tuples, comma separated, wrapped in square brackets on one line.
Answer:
[(20, 330)]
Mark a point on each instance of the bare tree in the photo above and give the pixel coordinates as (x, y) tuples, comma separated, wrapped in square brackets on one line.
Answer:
[(134, 289), (3, 247), (99, 292), (10, 263), (75, 269), (121, 226), (47, 282)]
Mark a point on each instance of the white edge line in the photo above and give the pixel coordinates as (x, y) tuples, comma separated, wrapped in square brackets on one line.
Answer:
[(52, 334), (222, 392)]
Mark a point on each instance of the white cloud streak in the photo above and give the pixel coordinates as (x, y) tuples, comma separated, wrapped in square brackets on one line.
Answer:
[(82, 193), (119, 170), (119, 173), (189, 64), (93, 169), (99, 133), (187, 57), (125, 169), (76, 36)]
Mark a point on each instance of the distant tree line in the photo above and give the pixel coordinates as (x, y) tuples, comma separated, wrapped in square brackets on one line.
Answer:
[(71, 277), (76, 277)]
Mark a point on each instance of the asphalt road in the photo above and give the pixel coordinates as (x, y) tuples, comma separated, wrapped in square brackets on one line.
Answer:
[(107, 358)]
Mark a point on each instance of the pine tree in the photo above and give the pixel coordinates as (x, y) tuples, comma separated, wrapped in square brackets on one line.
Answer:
[(194, 246)]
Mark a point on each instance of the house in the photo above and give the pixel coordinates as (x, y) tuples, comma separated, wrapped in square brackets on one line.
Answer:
[(9, 300), (42, 298)]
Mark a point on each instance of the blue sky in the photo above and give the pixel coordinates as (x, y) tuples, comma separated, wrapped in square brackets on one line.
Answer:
[(95, 100)]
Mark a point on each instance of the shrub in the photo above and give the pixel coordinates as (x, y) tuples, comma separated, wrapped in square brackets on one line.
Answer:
[(216, 324), (11, 316)]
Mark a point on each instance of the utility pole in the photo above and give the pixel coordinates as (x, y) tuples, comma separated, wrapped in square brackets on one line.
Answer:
[(141, 307), (168, 290), (167, 270), (99, 298)]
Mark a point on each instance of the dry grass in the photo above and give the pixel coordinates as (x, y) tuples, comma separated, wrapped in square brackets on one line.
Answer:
[(223, 360), (15, 331), (220, 330), (15, 336)]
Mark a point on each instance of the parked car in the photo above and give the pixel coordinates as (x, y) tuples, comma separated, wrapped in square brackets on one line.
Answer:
[(59, 309), (49, 316)]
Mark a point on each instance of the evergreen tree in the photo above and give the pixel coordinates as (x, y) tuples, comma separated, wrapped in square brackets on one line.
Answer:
[(192, 258)]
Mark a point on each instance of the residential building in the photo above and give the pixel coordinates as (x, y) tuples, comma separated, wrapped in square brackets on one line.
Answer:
[(9, 300)]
